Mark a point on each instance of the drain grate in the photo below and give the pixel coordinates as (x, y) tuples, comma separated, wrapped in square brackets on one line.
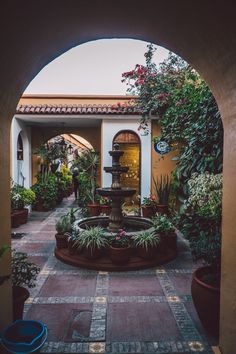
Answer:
[(17, 235)]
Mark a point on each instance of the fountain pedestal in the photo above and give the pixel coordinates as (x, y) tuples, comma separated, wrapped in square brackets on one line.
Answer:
[(116, 193)]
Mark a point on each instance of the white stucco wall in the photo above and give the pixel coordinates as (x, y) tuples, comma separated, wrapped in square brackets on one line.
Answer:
[(21, 168), (109, 129)]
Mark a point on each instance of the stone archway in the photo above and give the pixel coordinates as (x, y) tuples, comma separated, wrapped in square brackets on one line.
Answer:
[(201, 32)]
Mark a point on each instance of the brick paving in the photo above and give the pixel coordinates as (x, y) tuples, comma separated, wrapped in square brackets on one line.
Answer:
[(146, 311)]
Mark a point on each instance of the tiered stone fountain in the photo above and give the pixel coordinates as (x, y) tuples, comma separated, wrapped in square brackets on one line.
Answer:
[(114, 222)]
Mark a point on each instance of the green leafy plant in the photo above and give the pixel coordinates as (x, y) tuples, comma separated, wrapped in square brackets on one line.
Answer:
[(162, 224), (149, 201), (24, 272), (104, 201), (200, 219), (146, 239), (92, 239), (88, 161), (64, 223), (187, 112), (120, 239), (162, 189), (46, 190), (21, 196)]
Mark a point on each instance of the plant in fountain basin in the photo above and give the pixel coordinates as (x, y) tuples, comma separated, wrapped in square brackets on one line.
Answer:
[(147, 243), (64, 228), (92, 241), (165, 228), (120, 250)]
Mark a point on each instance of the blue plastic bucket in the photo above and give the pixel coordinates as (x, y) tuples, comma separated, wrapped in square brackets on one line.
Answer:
[(24, 336)]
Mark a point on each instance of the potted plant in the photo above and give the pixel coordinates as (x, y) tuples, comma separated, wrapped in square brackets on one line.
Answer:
[(105, 205), (165, 228), (162, 190), (148, 206), (200, 222), (147, 244), (20, 198), (25, 273), (46, 190), (120, 250), (88, 164), (64, 228), (91, 241)]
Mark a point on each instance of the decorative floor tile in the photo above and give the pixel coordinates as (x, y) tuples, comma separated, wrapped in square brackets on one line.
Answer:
[(97, 348)]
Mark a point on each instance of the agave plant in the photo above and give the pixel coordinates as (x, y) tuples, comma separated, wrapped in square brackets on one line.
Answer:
[(162, 188)]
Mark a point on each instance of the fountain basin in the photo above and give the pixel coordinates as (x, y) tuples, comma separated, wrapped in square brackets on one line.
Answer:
[(132, 225), (121, 192)]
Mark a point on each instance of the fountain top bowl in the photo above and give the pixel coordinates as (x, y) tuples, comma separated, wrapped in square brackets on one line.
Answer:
[(122, 192)]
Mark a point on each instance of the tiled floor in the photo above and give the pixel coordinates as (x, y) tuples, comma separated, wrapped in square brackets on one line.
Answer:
[(148, 311)]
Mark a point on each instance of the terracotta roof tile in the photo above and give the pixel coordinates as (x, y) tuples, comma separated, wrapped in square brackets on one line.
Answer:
[(76, 109)]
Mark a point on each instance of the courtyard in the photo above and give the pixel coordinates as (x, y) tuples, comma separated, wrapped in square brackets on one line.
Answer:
[(146, 311)]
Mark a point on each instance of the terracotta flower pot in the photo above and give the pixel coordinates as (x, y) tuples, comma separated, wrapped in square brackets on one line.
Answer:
[(172, 241), (94, 209), (147, 211), (61, 241), (92, 254), (105, 209), (162, 209), (150, 253), (19, 217), (206, 299), (20, 295), (71, 248), (120, 255)]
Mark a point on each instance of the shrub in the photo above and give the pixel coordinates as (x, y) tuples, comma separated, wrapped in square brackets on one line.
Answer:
[(24, 272)]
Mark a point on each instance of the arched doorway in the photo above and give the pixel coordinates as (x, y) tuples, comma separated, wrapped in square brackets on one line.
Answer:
[(198, 38), (130, 143)]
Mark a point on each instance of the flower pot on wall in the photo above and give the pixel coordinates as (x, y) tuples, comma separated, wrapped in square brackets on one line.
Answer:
[(172, 241), (147, 253), (61, 240), (206, 299), (120, 255), (92, 253)]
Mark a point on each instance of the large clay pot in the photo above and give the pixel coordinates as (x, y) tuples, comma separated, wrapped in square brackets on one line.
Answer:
[(61, 241), (20, 295), (149, 253), (94, 209), (120, 255), (172, 241), (206, 299), (162, 209), (19, 217), (105, 209), (92, 254), (148, 211)]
